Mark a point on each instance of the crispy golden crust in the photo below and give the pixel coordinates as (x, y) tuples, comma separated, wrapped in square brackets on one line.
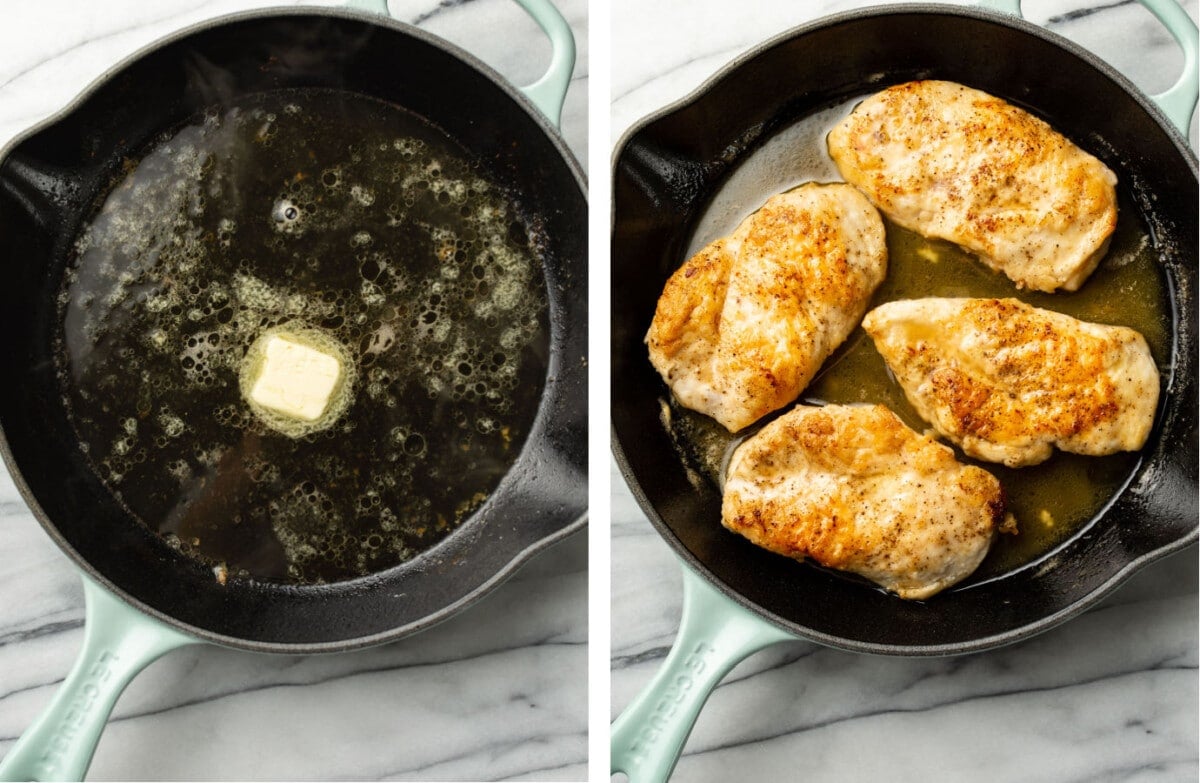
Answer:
[(955, 163), (853, 488), (743, 326), (1008, 382)]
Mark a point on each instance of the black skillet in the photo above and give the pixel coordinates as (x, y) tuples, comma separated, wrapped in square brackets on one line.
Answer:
[(143, 597), (738, 598)]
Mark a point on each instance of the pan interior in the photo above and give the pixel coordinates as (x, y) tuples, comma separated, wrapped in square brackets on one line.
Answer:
[(308, 211), (1051, 501)]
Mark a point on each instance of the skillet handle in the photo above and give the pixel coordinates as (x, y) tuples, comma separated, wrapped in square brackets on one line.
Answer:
[(715, 634), (1178, 102), (549, 92), (118, 642)]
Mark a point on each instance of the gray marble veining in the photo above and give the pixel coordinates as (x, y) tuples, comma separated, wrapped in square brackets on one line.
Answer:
[(498, 692), (1109, 696)]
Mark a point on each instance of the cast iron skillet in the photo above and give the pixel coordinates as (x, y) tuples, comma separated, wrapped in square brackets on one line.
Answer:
[(48, 181), (739, 598)]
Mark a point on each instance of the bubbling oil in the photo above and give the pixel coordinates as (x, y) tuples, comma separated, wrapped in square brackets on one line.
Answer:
[(335, 213), (1050, 501)]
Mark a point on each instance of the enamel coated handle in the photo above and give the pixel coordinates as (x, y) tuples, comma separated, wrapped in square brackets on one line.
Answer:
[(715, 634), (549, 92), (1178, 102), (118, 642)]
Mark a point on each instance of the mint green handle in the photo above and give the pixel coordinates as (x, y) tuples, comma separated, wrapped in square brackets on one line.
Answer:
[(715, 634), (549, 92), (118, 642), (1178, 102)]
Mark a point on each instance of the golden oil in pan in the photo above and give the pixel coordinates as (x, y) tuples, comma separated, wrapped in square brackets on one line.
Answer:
[(1051, 500), (313, 210)]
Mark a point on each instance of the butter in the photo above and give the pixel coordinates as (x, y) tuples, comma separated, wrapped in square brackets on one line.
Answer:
[(295, 379)]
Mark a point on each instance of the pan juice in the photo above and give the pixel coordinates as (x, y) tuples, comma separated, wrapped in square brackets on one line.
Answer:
[(1051, 500), (319, 210)]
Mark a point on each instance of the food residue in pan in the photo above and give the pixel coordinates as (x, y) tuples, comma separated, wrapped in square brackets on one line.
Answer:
[(319, 213)]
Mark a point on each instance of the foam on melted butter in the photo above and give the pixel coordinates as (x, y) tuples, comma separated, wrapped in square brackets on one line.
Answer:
[(367, 235)]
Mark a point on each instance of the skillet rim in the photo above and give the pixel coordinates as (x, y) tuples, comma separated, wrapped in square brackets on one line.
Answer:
[(1018, 23), (992, 641), (520, 556)]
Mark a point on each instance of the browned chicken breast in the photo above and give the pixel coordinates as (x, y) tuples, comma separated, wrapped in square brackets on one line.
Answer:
[(743, 326), (1007, 382), (852, 488), (955, 163)]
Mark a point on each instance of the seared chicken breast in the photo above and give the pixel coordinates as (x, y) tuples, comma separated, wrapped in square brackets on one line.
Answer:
[(1008, 382), (853, 488), (742, 327), (955, 163)]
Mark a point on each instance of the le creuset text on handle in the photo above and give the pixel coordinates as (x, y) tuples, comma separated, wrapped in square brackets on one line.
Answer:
[(715, 634), (119, 641)]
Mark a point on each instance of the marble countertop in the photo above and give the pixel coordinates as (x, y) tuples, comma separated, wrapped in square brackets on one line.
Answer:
[(498, 692), (1111, 695)]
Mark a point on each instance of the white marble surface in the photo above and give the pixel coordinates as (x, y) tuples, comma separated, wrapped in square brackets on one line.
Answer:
[(496, 693), (1110, 696)]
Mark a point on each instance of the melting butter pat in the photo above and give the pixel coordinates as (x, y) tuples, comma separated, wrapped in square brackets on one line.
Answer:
[(295, 379)]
